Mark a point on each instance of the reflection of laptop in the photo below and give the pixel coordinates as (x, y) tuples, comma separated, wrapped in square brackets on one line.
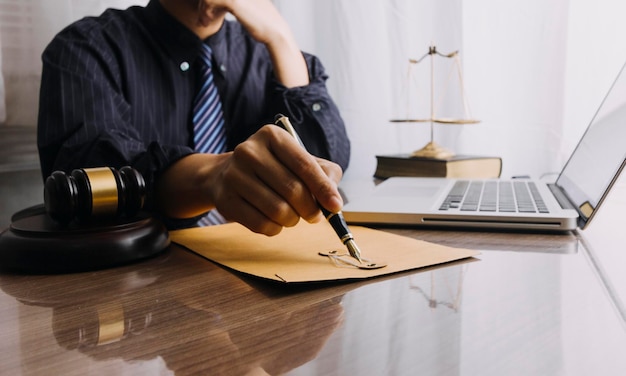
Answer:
[(566, 204)]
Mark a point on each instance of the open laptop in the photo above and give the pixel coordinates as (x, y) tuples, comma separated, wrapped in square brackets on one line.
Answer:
[(570, 202)]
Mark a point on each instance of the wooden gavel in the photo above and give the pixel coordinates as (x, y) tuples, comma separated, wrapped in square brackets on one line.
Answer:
[(92, 193)]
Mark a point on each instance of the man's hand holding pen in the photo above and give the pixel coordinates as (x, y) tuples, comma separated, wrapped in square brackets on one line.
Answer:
[(335, 218), (269, 182)]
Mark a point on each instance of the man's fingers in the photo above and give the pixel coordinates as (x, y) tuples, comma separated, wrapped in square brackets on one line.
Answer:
[(318, 175), (281, 190), (242, 212), (271, 182), (242, 181), (334, 173)]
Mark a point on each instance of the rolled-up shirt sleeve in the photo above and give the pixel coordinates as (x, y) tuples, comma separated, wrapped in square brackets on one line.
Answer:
[(316, 117)]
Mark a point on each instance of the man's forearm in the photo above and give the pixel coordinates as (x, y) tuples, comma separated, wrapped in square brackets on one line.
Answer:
[(182, 192), (289, 64)]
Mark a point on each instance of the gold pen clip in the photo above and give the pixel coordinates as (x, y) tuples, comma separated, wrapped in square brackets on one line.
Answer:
[(345, 260)]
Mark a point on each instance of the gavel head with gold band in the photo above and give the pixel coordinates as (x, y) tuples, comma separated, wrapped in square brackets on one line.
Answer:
[(92, 193)]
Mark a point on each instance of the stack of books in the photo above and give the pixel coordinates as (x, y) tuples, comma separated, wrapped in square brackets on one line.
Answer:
[(458, 166)]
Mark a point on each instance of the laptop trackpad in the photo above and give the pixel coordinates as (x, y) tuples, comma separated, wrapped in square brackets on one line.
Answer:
[(412, 192)]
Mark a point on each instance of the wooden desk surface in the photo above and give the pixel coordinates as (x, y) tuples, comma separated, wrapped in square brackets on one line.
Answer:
[(528, 305)]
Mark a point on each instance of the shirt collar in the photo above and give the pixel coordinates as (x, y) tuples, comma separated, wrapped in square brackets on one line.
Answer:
[(218, 45), (180, 43)]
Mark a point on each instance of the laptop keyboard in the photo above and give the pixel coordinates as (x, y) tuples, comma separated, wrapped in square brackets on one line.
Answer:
[(495, 196)]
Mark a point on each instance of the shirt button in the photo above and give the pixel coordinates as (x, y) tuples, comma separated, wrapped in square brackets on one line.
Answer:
[(222, 67), (184, 66), (316, 107)]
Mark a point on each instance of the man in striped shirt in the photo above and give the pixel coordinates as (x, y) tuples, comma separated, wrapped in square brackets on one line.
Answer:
[(118, 90)]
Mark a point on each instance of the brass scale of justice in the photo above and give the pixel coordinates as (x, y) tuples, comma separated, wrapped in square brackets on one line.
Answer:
[(433, 150)]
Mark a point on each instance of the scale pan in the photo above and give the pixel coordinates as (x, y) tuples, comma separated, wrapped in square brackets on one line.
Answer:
[(455, 121)]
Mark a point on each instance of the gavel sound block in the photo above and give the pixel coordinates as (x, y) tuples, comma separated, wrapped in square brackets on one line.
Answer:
[(90, 219)]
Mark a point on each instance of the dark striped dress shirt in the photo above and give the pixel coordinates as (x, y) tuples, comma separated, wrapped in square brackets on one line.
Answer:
[(118, 90)]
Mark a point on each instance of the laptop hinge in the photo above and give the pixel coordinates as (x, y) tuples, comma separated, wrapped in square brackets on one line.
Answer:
[(561, 198)]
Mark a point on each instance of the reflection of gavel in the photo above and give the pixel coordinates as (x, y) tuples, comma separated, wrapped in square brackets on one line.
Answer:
[(91, 193), (100, 324), (194, 316), (136, 327)]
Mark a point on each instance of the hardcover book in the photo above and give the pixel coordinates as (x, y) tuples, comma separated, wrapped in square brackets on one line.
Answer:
[(457, 166)]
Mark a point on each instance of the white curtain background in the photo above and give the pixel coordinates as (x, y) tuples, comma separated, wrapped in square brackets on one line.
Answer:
[(534, 71), (26, 27), (365, 49)]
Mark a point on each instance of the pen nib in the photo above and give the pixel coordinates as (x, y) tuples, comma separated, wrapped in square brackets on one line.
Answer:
[(354, 250)]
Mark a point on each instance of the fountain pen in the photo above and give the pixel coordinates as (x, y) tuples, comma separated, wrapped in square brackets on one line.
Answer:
[(336, 220)]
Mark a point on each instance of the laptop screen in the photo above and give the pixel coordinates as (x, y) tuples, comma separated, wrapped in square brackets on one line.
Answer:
[(600, 155)]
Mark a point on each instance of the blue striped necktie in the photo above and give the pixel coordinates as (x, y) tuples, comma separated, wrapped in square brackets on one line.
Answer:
[(208, 123), (208, 119)]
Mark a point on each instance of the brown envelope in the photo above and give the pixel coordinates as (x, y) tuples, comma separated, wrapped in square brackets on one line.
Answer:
[(293, 255)]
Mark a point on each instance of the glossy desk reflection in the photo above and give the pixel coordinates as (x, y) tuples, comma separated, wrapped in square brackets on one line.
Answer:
[(195, 316), (531, 304)]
